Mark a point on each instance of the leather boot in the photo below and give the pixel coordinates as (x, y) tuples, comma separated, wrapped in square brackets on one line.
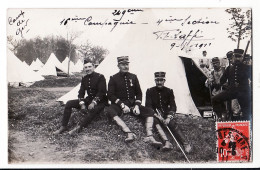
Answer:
[(77, 129), (167, 146), (61, 130), (121, 123), (149, 127), (130, 137), (152, 141)]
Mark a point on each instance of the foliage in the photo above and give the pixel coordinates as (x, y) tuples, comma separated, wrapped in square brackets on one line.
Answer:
[(94, 53), (241, 26)]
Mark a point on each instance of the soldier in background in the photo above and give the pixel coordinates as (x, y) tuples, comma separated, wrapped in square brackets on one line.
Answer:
[(237, 76), (125, 94), (204, 63), (162, 99), (95, 85), (214, 82), (233, 106)]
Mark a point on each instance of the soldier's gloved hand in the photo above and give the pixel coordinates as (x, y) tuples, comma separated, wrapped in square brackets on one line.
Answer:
[(126, 109), (82, 105), (91, 106), (136, 110), (167, 121)]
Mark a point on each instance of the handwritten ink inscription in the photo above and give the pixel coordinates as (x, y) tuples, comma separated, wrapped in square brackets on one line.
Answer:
[(114, 22), (185, 40), (20, 22)]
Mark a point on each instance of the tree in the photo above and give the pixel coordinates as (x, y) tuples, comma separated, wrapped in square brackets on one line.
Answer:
[(241, 26), (71, 36), (99, 54), (85, 50), (12, 43)]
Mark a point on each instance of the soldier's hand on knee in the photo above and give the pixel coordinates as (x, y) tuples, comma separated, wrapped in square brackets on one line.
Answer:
[(136, 110), (91, 106), (126, 109), (82, 105)]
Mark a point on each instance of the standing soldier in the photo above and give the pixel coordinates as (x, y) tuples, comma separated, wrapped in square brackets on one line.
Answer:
[(162, 99), (214, 82), (237, 76), (95, 85), (125, 94)]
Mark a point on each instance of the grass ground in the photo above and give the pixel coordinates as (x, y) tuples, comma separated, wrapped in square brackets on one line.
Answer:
[(34, 115)]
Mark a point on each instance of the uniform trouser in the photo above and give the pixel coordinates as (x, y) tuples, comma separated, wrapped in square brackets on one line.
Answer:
[(88, 117), (243, 97), (114, 110), (173, 126)]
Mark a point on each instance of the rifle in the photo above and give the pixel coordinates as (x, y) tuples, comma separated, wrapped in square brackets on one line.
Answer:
[(247, 45), (159, 113)]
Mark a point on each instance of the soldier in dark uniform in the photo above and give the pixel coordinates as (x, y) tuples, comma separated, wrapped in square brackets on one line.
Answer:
[(214, 82), (238, 76), (162, 99), (94, 84), (125, 95)]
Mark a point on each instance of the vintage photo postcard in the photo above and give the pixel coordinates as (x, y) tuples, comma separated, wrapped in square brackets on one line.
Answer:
[(130, 86)]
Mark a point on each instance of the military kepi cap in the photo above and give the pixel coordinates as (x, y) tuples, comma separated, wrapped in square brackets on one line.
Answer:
[(215, 60), (238, 51), (159, 75), (229, 54), (123, 59)]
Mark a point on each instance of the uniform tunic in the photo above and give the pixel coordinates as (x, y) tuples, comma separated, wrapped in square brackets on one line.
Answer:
[(95, 87), (163, 99), (125, 88), (238, 76)]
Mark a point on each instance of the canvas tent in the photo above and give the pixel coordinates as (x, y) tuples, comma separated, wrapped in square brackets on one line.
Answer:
[(51, 66), (36, 65), (72, 65), (147, 55), (79, 66), (19, 72)]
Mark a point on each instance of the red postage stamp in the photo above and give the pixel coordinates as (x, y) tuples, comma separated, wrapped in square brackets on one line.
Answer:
[(233, 141)]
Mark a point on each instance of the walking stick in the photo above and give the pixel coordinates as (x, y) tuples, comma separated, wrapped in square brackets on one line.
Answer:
[(159, 113)]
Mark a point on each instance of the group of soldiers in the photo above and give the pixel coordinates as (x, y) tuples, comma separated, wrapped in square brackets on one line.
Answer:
[(230, 87), (125, 95)]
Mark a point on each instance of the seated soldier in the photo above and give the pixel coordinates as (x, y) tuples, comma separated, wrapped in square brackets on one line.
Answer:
[(95, 85), (161, 98), (125, 94)]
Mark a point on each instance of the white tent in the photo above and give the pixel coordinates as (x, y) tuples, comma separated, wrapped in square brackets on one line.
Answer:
[(50, 66), (79, 66), (72, 65), (147, 55), (19, 72), (36, 65)]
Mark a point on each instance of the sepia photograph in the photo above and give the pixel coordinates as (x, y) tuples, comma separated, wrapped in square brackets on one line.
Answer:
[(130, 85)]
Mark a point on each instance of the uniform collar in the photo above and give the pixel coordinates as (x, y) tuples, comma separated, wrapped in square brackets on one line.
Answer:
[(123, 73), (90, 75), (159, 89)]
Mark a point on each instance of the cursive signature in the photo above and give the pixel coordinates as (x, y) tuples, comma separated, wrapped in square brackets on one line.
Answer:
[(21, 22), (182, 39)]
